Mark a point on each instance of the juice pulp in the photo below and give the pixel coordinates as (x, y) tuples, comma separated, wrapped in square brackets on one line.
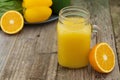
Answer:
[(74, 37)]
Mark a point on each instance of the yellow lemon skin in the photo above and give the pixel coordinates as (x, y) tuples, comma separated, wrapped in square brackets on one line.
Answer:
[(31, 3), (37, 14)]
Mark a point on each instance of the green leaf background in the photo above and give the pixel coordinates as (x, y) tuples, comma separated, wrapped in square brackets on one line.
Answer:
[(6, 5)]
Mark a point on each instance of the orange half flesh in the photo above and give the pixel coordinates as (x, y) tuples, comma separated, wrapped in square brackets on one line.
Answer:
[(102, 58), (12, 22)]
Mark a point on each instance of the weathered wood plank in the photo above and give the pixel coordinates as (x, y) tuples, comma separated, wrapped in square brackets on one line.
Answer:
[(52, 69), (115, 12), (28, 57), (99, 10), (21, 56), (40, 67), (47, 41), (23, 43), (6, 44)]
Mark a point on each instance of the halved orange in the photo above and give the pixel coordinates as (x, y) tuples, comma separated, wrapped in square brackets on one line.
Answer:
[(102, 58), (12, 22)]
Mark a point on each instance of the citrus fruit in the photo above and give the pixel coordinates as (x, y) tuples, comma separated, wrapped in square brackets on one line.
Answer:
[(31, 3), (102, 58), (37, 14), (12, 22)]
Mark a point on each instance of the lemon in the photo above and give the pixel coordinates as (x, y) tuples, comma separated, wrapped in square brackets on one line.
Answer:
[(37, 14), (31, 3)]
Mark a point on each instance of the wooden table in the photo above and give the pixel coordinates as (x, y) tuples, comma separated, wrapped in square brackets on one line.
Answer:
[(32, 53)]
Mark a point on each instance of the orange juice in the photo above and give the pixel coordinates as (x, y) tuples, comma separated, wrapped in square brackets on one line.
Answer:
[(74, 36)]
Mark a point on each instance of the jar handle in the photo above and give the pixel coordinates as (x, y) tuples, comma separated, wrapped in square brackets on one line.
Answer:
[(97, 30)]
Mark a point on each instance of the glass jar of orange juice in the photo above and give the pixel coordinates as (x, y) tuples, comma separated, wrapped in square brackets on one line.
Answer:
[(74, 37)]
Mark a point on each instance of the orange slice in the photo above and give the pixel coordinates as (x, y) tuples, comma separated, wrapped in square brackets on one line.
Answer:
[(12, 22), (102, 58)]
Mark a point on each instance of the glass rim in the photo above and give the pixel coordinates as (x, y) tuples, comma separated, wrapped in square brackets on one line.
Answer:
[(75, 8)]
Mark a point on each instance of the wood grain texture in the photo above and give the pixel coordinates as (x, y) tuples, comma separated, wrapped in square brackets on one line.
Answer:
[(26, 56), (52, 69), (115, 12), (20, 55), (6, 44), (46, 43)]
